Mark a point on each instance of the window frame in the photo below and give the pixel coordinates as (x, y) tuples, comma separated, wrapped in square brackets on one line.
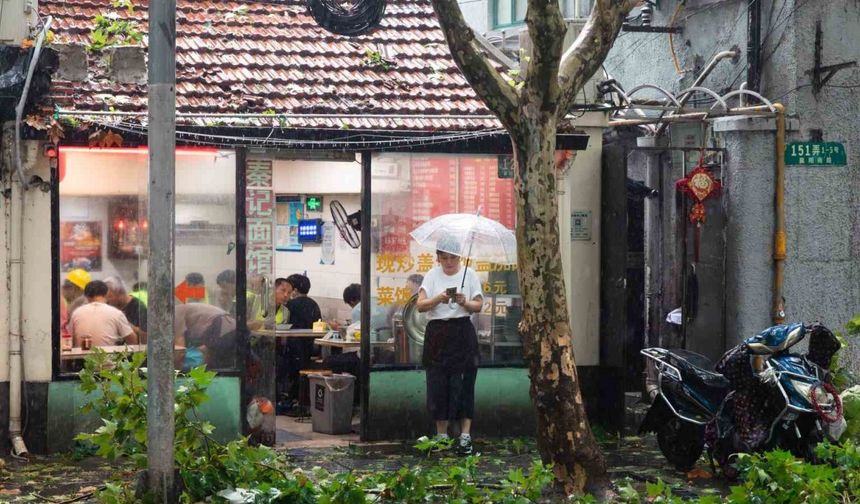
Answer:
[(568, 9), (494, 15), (240, 220)]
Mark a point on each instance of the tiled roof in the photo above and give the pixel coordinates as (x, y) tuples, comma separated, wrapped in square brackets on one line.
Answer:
[(254, 57)]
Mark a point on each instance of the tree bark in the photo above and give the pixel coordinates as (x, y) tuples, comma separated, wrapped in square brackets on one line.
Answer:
[(564, 436), (531, 116)]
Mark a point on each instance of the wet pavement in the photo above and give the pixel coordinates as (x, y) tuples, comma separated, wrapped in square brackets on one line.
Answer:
[(60, 479)]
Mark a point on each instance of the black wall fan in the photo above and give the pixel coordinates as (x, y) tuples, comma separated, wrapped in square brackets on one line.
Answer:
[(348, 224)]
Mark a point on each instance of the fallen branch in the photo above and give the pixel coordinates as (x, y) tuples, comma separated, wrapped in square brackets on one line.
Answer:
[(68, 501)]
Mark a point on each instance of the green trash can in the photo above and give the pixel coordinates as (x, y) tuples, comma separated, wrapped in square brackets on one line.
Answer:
[(331, 403)]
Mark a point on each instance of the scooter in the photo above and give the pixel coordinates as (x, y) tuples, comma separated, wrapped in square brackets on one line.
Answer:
[(694, 407)]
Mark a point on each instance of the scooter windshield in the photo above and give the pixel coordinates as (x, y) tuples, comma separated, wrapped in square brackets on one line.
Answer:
[(776, 339)]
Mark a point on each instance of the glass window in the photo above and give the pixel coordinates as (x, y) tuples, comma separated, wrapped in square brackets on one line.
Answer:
[(502, 12), (513, 12), (519, 10), (103, 235), (408, 190)]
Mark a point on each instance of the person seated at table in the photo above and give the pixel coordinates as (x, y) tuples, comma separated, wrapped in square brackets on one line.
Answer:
[(281, 295), (379, 315), (73, 289), (303, 312), (413, 283), (226, 299), (208, 334), (133, 309), (196, 280), (102, 323), (72, 297), (139, 292)]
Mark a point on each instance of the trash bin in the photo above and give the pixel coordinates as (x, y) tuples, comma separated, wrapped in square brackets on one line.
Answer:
[(331, 403)]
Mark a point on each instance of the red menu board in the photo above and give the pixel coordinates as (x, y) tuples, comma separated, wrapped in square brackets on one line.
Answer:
[(434, 187), (480, 187), (395, 223)]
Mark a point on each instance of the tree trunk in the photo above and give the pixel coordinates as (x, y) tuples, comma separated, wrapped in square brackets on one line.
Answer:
[(564, 435), (530, 115)]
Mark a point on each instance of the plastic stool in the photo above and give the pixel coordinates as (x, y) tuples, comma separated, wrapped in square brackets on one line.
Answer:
[(305, 392)]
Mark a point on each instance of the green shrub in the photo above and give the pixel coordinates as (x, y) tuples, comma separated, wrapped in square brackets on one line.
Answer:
[(238, 472)]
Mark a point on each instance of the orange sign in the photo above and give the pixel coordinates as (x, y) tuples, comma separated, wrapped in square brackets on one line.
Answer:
[(184, 292)]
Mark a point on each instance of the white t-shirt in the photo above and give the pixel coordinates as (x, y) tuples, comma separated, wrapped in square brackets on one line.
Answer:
[(103, 323), (435, 283)]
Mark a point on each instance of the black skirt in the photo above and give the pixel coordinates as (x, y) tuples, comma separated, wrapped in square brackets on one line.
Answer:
[(451, 344)]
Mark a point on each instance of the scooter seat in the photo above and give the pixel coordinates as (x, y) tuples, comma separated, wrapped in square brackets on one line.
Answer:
[(697, 371)]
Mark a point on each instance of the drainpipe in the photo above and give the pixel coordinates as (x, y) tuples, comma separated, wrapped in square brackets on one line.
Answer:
[(19, 109), (16, 265), (16, 316), (779, 239)]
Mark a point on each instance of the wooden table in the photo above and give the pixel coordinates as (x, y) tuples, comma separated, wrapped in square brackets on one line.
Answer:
[(78, 353), (289, 333), (344, 345), (349, 344)]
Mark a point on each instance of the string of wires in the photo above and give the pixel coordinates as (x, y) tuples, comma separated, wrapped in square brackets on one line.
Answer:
[(344, 18), (351, 140)]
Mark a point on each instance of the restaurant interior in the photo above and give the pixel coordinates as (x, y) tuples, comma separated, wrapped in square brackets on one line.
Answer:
[(297, 214)]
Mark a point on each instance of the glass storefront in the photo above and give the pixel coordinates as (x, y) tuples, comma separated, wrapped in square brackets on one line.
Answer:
[(408, 190), (103, 235)]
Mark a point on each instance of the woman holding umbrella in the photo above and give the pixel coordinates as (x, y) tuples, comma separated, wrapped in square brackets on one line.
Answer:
[(449, 294)]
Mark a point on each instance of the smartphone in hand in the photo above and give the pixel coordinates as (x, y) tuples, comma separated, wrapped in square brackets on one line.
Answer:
[(450, 291)]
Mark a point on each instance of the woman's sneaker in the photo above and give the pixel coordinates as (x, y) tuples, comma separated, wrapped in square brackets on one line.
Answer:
[(464, 446)]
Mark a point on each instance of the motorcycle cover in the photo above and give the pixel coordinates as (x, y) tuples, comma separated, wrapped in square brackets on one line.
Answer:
[(823, 345)]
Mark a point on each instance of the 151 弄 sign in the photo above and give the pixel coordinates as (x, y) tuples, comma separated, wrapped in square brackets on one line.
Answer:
[(816, 154)]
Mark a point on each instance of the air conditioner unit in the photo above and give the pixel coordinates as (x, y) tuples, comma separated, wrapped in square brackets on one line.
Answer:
[(17, 19)]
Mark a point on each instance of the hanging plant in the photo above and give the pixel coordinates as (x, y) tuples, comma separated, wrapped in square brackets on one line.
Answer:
[(347, 18)]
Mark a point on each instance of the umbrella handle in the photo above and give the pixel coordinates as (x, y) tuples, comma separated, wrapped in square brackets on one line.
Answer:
[(468, 256)]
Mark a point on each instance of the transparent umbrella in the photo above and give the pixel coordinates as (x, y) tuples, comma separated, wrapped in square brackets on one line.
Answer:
[(468, 235)]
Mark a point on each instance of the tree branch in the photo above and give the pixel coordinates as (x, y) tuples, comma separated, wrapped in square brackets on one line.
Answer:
[(499, 96), (590, 49), (546, 30)]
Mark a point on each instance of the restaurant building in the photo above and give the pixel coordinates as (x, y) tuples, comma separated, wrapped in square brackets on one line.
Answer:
[(283, 128)]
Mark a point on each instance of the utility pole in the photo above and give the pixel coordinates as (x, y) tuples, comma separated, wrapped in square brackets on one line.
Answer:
[(162, 167)]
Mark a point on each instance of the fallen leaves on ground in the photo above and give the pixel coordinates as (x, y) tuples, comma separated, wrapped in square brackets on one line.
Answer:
[(699, 473)]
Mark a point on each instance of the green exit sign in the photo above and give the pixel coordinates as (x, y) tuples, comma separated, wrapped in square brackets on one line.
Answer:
[(313, 203), (816, 154)]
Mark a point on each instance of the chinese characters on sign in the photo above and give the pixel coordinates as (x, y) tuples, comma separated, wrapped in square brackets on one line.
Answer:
[(434, 187), (816, 154), (580, 225), (480, 187), (259, 209), (404, 263)]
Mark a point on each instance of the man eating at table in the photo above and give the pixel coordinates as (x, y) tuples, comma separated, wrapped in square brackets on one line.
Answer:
[(131, 307), (102, 323)]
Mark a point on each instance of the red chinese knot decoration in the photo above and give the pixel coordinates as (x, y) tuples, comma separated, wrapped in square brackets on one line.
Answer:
[(700, 185)]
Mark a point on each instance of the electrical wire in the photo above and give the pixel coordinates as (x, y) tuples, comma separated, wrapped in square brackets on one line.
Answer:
[(725, 38), (671, 40), (220, 140), (780, 22)]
